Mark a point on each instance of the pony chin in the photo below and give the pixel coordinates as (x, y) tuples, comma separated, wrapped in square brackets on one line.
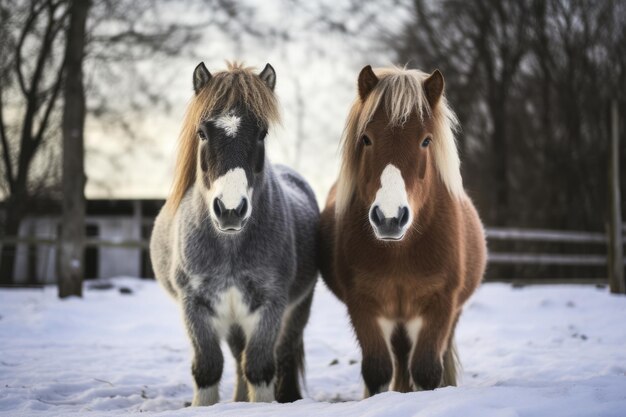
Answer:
[(390, 238)]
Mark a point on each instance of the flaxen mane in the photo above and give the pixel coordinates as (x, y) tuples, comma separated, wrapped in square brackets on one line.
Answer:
[(401, 92), (226, 89)]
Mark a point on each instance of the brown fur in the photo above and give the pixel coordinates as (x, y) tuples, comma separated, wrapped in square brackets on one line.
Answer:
[(440, 261)]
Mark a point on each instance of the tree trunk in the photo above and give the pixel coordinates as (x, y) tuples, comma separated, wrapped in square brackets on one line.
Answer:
[(16, 206), (499, 141), (11, 228), (71, 242), (615, 244)]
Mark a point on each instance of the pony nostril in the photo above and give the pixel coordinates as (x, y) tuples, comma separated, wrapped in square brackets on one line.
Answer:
[(377, 216), (242, 208), (403, 216), (218, 207)]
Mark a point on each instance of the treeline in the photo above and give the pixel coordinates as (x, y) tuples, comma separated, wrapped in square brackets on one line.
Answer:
[(44, 96), (531, 82)]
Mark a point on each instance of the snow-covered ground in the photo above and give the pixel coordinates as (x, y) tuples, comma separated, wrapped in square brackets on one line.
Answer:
[(536, 351)]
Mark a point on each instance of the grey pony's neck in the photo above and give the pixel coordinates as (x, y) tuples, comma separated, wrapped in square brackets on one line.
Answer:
[(260, 197)]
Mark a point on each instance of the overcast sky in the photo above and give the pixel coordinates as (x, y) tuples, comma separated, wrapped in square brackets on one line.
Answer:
[(322, 63)]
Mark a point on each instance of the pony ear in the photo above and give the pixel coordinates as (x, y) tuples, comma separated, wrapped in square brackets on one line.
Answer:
[(201, 76), (367, 81), (268, 76), (433, 86)]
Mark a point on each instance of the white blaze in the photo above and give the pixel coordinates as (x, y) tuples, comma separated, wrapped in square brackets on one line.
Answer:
[(229, 123), (231, 188), (392, 192)]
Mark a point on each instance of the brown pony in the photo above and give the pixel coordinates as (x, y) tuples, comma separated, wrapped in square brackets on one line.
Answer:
[(401, 243)]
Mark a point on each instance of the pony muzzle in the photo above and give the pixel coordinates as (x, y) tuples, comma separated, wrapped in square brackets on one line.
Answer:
[(229, 201), (230, 220), (389, 228)]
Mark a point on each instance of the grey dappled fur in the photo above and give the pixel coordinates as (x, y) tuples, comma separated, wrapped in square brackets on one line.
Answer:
[(271, 262)]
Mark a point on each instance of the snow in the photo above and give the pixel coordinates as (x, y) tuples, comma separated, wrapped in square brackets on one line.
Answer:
[(534, 351)]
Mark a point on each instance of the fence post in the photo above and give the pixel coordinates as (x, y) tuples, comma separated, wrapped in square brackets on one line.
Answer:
[(616, 251)]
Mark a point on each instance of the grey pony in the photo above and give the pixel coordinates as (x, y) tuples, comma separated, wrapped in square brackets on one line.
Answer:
[(237, 249)]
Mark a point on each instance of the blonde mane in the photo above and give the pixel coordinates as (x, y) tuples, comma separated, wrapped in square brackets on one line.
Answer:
[(225, 90), (402, 93)]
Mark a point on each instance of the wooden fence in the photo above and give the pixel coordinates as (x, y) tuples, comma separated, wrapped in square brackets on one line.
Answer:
[(89, 242), (493, 234), (538, 235)]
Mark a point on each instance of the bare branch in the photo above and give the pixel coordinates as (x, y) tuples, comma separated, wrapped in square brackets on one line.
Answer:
[(6, 151), (43, 125), (33, 14)]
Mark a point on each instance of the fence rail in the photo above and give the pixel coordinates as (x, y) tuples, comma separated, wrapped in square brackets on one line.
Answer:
[(89, 242), (493, 233), (545, 259), (542, 235)]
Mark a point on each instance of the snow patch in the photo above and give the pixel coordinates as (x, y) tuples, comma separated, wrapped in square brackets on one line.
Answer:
[(112, 354)]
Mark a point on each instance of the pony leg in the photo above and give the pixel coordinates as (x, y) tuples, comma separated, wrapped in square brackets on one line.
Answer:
[(376, 366), (427, 360), (237, 342), (259, 363), (208, 361), (451, 362), (290, 350)]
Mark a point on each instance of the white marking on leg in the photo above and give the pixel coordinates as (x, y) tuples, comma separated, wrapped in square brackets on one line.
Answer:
[(241, 386), (387, 327), (231, 188), (392, 192), (263, 393), (196, 281), (229, 123), (413, 328), (206, 396)]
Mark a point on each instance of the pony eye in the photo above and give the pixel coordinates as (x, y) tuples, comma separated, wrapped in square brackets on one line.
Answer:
[(426, 142), (366, 140), (262, 135), (201, 134)]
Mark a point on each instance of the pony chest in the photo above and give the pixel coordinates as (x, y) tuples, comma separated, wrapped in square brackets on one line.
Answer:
[(398, 297), (230, 308)]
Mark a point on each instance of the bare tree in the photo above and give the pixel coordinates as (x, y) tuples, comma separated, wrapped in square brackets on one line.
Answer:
[(120, 36), (484, 42), (31, 82), (530, 81), (70, 248)]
